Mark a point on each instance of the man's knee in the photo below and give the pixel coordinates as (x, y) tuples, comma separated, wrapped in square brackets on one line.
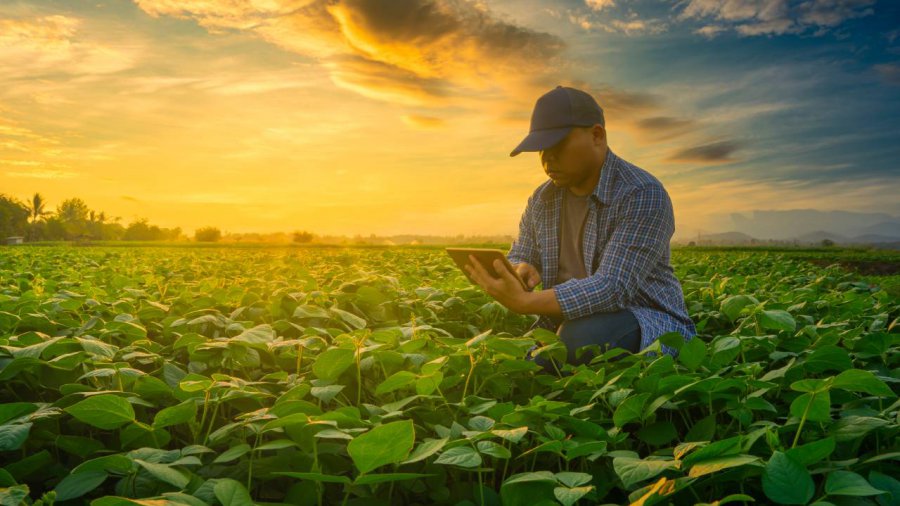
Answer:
[(602, 329)]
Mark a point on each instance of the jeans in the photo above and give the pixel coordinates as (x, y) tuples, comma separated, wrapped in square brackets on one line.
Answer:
[(619, 329)]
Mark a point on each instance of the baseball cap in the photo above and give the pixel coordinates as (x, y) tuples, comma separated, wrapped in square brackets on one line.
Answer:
[(555, 113)]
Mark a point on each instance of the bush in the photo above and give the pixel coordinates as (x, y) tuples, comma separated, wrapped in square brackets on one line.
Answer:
[(207, 234)]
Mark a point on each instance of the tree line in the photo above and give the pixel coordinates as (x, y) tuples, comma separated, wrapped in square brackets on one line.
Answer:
[(73, 220)]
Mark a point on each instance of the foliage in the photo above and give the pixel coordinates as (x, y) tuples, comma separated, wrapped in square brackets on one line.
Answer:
[(380, 376)]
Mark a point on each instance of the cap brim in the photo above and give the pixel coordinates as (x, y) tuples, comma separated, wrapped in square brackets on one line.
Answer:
[(540, 140)]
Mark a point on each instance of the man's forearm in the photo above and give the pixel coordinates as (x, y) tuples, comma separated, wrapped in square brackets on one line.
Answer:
[(542, 303)]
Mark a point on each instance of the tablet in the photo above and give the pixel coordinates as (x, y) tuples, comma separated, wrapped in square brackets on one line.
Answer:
[(486, 256)]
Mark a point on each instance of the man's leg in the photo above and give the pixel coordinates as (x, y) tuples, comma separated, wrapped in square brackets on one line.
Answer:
[(619, 329)]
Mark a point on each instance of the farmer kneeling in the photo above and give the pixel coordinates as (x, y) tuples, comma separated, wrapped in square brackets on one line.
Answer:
[(596, 235)]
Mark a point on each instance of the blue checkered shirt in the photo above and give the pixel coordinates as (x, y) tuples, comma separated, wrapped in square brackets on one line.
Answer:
[(626, 248)]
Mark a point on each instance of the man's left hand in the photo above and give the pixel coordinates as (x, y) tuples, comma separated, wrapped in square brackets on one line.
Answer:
[(506, 289)]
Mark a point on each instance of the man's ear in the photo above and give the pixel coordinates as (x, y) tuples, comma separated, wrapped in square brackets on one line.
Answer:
[(599, 134)]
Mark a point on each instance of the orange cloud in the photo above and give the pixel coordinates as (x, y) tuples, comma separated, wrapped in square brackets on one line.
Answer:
[(409, 51)]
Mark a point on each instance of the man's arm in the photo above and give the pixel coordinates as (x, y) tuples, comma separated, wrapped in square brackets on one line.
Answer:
[(525, 249), (638, 242)]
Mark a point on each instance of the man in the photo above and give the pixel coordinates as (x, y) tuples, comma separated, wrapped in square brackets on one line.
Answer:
[(596, 235)]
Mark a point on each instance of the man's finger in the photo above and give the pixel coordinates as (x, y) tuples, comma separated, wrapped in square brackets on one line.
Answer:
[(507, 275), (481, 272)]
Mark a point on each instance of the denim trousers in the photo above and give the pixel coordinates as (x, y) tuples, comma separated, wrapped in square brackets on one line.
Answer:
[(619, 329)]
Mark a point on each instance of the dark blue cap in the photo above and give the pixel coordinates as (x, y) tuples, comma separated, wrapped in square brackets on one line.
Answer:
[(555, 113)]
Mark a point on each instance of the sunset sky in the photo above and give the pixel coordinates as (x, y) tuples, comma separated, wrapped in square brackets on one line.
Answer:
[(385, 117)]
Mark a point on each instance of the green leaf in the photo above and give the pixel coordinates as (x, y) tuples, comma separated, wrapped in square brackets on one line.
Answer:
[(368, 479), (572, 479), (828, 358), (569, 496), (811, 453), (732, 306), (117, 464), (692, 353), (258, 335), (817, 406), (14, 495), (730, 446), (12, 436), (848, 483), (233, 453), (885, 482), (425, 450), (317, 477), (630, 409), (462, 456), (786, 481), (529, 489), (633, 470), (74, 486), (103, 411), (385, 444), (511, 435), (174, 415), (13, 410), (776, 319), (231, 493), (708, 466), (857, 380), (349, 318), (165, 473), (492, 449), (396, 381), (331, 363)]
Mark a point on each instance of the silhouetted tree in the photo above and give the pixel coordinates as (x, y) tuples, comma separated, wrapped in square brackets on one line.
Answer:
[(207, 234), (303, 237)]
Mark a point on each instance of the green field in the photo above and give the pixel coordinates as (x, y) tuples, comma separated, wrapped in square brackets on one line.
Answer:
[(301, 375)]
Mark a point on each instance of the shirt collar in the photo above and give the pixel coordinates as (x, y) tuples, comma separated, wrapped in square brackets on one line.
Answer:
[(602, 191)]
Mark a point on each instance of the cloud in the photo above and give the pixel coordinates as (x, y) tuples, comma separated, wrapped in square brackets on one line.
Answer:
[(633, 26), (773, 17), (406, 51), (889, 72), (420, 121), (56, 43), (710, 31), (42, 174), (599, 5), (664, 127), (711, 153)]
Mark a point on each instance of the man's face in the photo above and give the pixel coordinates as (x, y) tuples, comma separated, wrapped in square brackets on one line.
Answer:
[(572, 160)]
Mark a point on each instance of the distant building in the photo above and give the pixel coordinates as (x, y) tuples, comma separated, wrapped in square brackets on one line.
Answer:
[(15, 239)]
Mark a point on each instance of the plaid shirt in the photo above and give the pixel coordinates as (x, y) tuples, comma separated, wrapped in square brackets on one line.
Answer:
[(626, 247)]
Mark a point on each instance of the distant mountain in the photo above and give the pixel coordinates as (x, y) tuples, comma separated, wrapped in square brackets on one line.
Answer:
[(788, 224), (874, 239), (885, 228), (820, 235), (735, 238), (726, 238)]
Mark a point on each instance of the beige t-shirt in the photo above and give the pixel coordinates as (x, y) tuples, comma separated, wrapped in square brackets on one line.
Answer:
[(573, 215)]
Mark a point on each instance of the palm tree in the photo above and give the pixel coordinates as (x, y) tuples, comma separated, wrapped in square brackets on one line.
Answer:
[(36, 210)]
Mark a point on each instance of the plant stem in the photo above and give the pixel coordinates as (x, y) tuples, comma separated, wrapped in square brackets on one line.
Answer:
[(803, 419)]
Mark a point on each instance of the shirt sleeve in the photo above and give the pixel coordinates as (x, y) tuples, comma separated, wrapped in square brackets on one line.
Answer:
[(525, 248), (640, 240)]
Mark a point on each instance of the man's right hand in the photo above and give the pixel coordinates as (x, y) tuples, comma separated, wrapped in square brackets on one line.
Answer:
[(529, 274)]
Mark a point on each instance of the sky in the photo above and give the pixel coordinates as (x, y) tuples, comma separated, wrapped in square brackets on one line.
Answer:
[(388, 117)]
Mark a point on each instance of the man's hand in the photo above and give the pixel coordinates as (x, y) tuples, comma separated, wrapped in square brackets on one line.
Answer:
[(529, 274), (509, 292), (506, 289)]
